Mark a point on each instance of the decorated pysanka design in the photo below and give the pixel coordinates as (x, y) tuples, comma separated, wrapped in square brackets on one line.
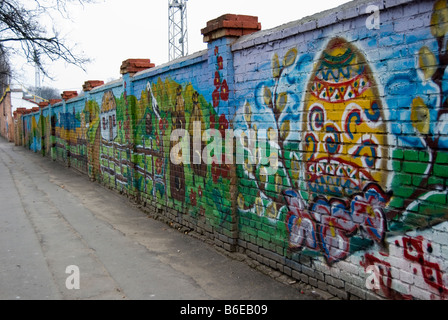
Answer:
[(344, 132)]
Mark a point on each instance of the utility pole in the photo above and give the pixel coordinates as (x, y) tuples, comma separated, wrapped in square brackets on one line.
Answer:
[(37, 83), (177, 29)]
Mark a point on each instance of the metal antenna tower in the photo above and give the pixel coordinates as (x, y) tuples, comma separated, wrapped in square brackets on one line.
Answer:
[(37, 82), (178, 36)]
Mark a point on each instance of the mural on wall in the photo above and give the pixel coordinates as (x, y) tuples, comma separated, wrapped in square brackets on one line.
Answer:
[(129, 147), (177, 174), (125, 143), (427, 114), (221, 92), (116, 150), (164, 106), (68, 135), (37, 131), (345, 154), (153, 162), (355, 125), (339, 186), (93, 136), (109, 117)]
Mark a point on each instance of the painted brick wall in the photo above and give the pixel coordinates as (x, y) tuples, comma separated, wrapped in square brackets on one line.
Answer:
[(349, 108), (6, 116)]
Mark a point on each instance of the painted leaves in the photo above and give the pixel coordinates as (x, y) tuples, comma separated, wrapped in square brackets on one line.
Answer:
[(275, 100), (427, 62), (288, 60), (433, 66), (268, 170), (439, 19), (420, 116)]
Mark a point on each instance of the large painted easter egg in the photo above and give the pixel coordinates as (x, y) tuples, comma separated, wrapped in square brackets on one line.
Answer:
[(344, 130)]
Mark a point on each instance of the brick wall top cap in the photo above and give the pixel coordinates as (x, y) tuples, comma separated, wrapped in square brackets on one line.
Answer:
[(66, 95), (54, 101), (43, 104), (21, 110), (91, 84), (230, 25), (133, 66)]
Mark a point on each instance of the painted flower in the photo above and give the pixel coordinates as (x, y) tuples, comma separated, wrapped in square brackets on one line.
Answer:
[(223, 125), (212, 121), (334, 227), (159, 166), (200, 192), (367, 212), (215, 97), (216, 50), (161, 126), (193, 198), (301, 227), (220, 63), (217, 80), (224, 91), (125, 94)]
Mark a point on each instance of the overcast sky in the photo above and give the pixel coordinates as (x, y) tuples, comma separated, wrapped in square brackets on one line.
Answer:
[(111, 31)]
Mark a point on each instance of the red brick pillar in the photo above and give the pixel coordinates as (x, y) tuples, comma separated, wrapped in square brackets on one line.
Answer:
[(67, 95), (132, 66), (91, 84), (230, 25)]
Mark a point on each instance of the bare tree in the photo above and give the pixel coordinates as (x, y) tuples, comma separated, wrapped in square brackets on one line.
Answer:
[(46, 93), (21, 24), (5, 70)]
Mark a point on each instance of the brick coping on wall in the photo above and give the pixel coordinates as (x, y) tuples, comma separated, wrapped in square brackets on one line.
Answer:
[(319, 20)]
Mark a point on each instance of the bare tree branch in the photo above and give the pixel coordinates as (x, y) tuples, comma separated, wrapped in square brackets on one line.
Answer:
[(5, 70), (21, 24)]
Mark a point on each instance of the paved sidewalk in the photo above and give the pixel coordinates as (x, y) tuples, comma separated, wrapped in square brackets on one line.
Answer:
[(52, 217)]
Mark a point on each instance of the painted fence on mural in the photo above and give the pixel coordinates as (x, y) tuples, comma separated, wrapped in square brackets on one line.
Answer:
[(352, 101)]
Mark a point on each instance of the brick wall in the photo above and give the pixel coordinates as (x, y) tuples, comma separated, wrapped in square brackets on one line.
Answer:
[(6, 116), (340, 124)]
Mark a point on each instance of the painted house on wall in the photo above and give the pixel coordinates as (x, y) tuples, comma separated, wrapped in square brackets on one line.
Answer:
[(109, 117)]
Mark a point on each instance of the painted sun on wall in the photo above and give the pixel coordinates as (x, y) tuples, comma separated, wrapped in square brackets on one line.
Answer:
[(339, 187)]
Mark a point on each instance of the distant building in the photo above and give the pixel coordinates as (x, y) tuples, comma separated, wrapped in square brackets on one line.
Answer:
[(11, 100)]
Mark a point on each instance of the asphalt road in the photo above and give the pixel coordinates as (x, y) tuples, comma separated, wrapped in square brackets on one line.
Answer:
[(52, 217)]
